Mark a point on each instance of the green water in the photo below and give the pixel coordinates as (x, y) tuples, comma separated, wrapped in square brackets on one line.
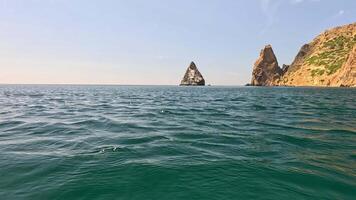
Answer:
[(155, 142)]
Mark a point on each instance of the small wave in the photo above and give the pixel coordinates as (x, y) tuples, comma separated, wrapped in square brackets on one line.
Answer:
[(218, 143)]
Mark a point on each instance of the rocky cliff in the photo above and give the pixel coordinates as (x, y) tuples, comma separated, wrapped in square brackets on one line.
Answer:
[(266, 70), (329, 60), (192, 76), (347, 74)]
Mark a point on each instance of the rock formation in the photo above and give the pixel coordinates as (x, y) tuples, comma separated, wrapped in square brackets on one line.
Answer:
[(266, 70), (192, 76), (285, 68), (347, 74), (329, 60)]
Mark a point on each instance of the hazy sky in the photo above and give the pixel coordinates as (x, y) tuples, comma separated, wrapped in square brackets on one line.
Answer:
[(153, 41)]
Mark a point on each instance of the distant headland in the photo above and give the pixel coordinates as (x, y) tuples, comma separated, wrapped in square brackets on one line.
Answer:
[(329, 60)]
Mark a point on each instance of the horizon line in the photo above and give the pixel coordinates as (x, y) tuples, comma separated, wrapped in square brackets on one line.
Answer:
[(104, 84)]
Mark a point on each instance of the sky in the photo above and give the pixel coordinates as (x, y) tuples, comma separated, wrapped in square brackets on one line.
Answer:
[(152, 42)]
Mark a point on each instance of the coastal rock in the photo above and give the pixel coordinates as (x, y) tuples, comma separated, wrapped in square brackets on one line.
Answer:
[(300, 57), (266, 70), (328, 60), (192, 76), (285, 68), (347, 75)]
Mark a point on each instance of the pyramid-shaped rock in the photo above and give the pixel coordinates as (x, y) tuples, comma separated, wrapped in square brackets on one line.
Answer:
[(192, 76), (266, 70)]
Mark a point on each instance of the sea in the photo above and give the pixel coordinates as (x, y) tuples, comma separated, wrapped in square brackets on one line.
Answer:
[(170, 142)]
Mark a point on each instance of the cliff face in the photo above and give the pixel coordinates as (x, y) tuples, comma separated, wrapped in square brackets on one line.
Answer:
[(347, 74), (329, 60), (192, 76), (266, 70)]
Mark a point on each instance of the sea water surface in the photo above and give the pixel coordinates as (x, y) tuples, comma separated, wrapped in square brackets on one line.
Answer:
[(165, 142)]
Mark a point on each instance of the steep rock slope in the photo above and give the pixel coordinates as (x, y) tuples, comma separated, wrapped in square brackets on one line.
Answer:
[(329, 60), (347, 74), (266, 70), (192, 76)]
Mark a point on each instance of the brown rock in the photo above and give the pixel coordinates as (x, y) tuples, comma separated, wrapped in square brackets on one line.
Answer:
[(328, 60), (266, 70), (285, 68), (346, 77), (299, 59)]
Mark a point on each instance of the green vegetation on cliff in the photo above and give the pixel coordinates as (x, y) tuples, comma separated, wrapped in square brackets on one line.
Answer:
[(332, 55)]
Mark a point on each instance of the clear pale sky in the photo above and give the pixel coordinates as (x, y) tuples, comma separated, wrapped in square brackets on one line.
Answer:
[(153, 41)]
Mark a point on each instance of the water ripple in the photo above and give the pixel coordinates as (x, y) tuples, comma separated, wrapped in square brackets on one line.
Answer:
[(132, 142)]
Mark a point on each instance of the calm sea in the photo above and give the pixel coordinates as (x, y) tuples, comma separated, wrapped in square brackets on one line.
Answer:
[(158, 142)]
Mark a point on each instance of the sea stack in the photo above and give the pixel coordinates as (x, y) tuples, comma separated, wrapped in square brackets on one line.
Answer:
[(266, 70), (192, 77)]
